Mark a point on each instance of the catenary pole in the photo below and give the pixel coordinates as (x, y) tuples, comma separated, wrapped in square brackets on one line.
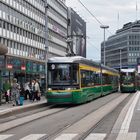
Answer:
[(46, 42)]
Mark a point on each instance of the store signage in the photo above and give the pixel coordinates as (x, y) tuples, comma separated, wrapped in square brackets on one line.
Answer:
[(56, 29), (9, 66), (23, 68)]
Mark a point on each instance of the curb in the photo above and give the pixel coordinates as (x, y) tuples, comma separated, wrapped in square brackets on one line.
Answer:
[(19, 109)]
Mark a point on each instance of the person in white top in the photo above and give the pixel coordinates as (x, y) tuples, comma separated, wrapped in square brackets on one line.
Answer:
[(27, 90), (35, 90)]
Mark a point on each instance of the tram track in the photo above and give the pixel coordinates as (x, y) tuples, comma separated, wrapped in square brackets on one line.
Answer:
[(56, 133), (85, 135), (54, 110), (19, 120)]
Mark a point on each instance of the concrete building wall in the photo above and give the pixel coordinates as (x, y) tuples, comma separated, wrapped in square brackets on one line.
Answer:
[(57, 28)]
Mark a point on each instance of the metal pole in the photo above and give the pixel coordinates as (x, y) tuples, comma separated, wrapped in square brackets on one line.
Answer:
[(104, 27), (104, 46), (120, 59), (46, 42)]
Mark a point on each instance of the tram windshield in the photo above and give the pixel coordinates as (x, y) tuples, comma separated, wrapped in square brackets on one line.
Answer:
[(127, 78), (62, 74)]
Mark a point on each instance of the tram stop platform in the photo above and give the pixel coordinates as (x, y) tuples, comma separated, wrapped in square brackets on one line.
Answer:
[(7, 108)]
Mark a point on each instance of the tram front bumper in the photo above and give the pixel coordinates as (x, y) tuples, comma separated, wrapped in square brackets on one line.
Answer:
[(60, 98)]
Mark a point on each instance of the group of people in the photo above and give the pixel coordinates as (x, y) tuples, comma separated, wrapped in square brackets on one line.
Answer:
[(17, 93)]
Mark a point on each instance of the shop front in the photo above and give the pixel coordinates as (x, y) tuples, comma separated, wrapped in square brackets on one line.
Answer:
[(3, 51), (24, 70)]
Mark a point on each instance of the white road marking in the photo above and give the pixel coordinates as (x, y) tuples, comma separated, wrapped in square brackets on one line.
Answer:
[(3, 137), (66, 137), (33, 137), (126, 136), (128, 117), (96, 136)]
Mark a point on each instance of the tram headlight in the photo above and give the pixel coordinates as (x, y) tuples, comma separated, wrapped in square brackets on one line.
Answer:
[(70, 88), (49, 89)]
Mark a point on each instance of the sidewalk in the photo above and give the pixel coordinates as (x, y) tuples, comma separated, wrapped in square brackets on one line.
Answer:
[(8, 107)]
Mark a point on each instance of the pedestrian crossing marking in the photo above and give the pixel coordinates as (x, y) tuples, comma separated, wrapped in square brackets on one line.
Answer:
[(127, 136), (95, 136), (66, 137), (4, 137), (33, 137)]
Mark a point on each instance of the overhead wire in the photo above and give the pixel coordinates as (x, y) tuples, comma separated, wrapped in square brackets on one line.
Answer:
[(93, 15)]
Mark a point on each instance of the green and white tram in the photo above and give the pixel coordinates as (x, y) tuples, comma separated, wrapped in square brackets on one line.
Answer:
[(129, 80), (78, 80)]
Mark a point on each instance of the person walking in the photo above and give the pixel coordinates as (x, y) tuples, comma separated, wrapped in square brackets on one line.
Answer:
[(15, 92), (22, 94), (33, 93), (38, 90), (35, 90), (6, 89), (27, 91)]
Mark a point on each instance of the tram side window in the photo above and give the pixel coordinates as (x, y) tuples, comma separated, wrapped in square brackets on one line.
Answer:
[(85, 78), (95, 78), (106, 78), (115, 80), (89, 78), (74, 73)]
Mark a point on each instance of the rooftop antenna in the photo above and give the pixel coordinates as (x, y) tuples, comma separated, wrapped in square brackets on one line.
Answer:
[(118, 19), (136, 11)]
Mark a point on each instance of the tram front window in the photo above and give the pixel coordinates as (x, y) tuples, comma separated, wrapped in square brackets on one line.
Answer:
[(62, 74), (127, 79)]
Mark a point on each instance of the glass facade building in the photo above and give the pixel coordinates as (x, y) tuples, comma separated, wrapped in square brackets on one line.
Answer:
[(22, 26), (22, 30), (123, 48)]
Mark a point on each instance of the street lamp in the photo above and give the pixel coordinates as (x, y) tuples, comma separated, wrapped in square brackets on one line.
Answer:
[(46, 41), (104, 27), (120, 59)]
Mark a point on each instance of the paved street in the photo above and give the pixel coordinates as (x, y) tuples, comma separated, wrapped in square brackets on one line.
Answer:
[(48, 127), (122, 123)]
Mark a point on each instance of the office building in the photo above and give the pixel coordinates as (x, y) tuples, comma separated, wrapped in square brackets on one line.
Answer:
[(57, 27), (123, 48), (22, 31), (22, 27)]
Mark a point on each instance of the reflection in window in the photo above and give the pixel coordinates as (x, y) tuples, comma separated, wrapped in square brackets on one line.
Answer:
[(62, 74), (89, 78)]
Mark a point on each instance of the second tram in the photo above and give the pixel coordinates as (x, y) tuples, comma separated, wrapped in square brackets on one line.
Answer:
[(78, 80), (129, 80)]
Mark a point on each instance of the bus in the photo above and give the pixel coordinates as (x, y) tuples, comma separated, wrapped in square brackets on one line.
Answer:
[(78, 80)]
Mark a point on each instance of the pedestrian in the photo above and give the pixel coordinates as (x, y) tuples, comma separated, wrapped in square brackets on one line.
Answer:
[(22, 94), (35, 90), (6, 89), (27, 91), (15, 92), (38, 90), (33, 93)]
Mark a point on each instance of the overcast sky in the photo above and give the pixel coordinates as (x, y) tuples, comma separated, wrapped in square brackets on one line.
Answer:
[(114, 13)]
